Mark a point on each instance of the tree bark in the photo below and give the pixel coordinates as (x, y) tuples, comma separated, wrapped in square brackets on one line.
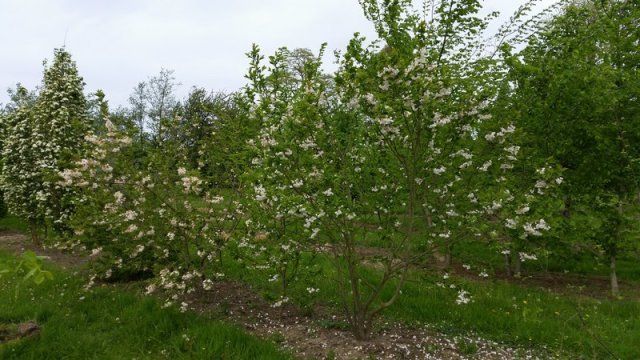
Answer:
[(507, 264), (33, 229), (615, 289), (447, 256), (517, 265)]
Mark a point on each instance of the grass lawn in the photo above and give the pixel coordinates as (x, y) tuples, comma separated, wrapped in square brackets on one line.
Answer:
[(114, 324)]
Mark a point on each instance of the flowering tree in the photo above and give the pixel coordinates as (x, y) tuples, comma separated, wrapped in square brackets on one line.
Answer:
[(395, 157), (282, 227), (20, 179), (59, 126), (155, 221)]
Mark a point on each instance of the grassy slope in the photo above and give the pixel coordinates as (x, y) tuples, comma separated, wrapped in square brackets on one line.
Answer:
[(113, 324)]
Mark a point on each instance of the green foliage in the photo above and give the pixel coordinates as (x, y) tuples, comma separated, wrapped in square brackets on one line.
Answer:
[(41, 135), (339, 187), (574, 90), (29, 269)]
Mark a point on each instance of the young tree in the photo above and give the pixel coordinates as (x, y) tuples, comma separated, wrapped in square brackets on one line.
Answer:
[(60, 124), (402, 152)]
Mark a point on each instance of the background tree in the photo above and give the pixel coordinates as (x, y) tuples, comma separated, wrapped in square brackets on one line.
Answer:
[(20, 180), (138, 109), (576, 90), (98, 111)]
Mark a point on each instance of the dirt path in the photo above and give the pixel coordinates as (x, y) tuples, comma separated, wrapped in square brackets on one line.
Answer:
[(317, 336), (17, 243)]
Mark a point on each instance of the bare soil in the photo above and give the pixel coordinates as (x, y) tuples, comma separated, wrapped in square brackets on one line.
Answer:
[(17, 243)]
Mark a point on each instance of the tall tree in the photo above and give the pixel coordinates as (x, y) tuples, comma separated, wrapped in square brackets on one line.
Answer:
[(61, 122), (161, 100), (138, 108)]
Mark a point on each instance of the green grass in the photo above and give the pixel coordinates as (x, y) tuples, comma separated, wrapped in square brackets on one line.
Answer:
[(628, 264), (13, 223), (114, 324), (571, 326)]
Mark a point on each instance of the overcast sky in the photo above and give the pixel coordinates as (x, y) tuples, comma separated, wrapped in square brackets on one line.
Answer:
[(117, 43)]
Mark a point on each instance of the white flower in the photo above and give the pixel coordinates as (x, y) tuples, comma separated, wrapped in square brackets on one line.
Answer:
[(119, 197), (490, 136), (261, 193), (182, 171), (137, 251), (485, 166), (440, 170), (130, 215), (524, 257), (463, 297), (280, 302), (184, 307), (207, 284), (96, 252), (328, 192)]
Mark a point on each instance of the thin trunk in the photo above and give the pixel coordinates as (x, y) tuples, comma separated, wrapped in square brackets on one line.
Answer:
[(613, 252), (447, 255), (507, 264), (517, 265), (33, 228), (615, 289)]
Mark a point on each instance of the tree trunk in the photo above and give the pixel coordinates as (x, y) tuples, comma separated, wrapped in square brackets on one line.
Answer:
[(507, 264), (447, 256), (517, 265), (360, 327), (615, 289), (33, 229)]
